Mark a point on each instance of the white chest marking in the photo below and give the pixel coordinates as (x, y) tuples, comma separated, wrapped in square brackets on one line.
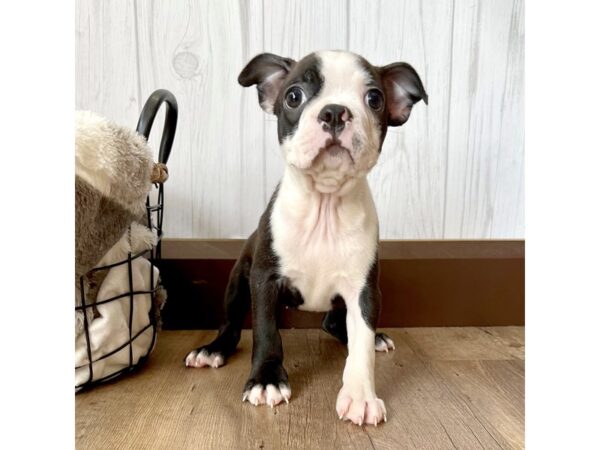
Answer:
[(326, 243)]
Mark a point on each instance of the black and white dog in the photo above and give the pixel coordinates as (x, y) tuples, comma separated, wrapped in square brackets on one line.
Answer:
[(315, 248)]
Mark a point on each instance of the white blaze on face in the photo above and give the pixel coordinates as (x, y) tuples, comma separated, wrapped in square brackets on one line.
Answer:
[(346, 83)]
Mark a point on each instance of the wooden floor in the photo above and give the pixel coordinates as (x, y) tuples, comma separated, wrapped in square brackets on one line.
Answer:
[(443, 388)]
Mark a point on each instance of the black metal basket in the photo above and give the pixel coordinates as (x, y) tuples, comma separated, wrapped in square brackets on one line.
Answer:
[(154, 216)]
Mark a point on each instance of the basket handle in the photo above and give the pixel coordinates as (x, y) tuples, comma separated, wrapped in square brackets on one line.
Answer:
[(148, 115)]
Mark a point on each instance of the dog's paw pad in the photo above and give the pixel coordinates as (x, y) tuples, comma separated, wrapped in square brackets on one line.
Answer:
[(271, 395), (202, 358), (359, 410), (383, 343)]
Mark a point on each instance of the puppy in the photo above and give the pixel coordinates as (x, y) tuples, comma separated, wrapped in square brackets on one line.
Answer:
[(315, 247)]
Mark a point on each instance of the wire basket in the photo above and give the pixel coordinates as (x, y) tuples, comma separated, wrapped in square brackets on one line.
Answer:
[(154, 218)]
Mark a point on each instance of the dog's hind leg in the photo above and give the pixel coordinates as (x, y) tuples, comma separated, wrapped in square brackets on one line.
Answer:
[(237, 304), (334, 323)]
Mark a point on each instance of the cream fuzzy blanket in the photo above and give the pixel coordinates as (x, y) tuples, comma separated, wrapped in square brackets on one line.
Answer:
[(114, 171), (110, 330)]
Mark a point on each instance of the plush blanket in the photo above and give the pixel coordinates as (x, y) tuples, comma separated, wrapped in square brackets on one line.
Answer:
[(113, 175), (110, 330), (114, 172)]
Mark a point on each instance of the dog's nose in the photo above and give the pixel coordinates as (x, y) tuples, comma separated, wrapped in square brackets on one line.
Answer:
[(334, 118)]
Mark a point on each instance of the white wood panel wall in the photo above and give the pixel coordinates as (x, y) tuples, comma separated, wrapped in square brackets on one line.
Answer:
[(454, 171)]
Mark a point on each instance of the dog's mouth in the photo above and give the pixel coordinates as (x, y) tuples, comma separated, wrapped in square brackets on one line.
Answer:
[(332, 166), (334, 149)]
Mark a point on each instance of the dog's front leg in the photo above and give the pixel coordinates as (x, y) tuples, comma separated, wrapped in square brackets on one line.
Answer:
[(268, 381), (357, 400)]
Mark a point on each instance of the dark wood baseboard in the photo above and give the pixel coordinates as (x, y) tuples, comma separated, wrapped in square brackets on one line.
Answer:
[(424, 283), (389, 249)]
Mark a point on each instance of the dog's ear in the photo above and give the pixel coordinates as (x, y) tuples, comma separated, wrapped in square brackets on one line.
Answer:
[(403, 88), (268, 72)]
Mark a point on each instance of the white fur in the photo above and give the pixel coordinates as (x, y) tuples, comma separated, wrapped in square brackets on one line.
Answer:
[(204, 359), (384, 344), (324, 224), (325, 242), (271, 395), (345, 83), (357, 400)]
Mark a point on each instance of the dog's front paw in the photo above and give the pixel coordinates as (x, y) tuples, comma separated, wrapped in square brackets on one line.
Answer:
[(384, 343), (271, 395), (267, 386), (354, 405), (204, 358)]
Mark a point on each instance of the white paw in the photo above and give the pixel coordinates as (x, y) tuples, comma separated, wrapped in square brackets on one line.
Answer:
[(360, 408), (272, 395), (204, 359), (383, 343)]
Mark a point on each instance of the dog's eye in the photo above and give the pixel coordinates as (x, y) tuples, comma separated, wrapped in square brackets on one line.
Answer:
[(374, 99), (294, 97)]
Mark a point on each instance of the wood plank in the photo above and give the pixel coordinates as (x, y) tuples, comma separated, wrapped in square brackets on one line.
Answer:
[(484, 196), (295, 28), (426, 413), (512, 338), (165, 65), (106, 66), (455, 170), (165, 405), (416, 293), (509, 207), (462, 343), (253, 194), (408, 182), (493, 391), (388, 249), (217, 157)]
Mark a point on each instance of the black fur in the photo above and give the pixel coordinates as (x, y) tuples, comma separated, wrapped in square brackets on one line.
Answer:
[(306, 75), (370, 297), (377, 83), (259, 72), (265, 284), (334, 321), (399, 106), (255, 280)]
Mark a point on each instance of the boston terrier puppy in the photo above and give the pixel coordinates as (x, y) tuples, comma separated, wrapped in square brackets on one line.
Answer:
[(315, 247)]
